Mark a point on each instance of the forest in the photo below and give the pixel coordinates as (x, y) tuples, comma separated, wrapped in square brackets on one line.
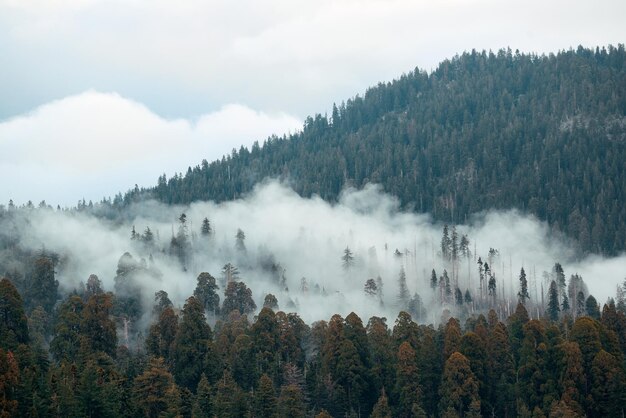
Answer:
[(215, 320), (484, 130), (450, 244)]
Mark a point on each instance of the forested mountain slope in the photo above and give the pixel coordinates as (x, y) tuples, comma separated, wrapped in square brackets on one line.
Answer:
[(545, 134)]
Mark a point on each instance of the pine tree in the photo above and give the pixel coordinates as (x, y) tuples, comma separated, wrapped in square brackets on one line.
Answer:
[(591, 307), (291, 402), (240, 241), (206, 294), (347, 259), (553, 302), (370, 288), (458, 296), (13, 322), (523, 287), (459, 388), (97, 328), (161, 302), (150, 389), (608, 386), (203, 403), (206, 230), (381, 409), (191, 345), (66, 341), (403, 290), (446, 244), (407, 382), (271, 302), (238, 297), (433, 280), (265, 398)]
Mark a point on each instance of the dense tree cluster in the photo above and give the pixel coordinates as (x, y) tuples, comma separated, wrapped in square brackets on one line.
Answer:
[(544, 134), (275, 365)]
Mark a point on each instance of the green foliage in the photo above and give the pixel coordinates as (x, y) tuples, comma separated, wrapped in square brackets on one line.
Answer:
[(191, 345), (13, 322), (484, 130), (97, 329), (238, 297)]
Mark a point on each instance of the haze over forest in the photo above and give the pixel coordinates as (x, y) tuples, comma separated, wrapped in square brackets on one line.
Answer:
[(298, 226)]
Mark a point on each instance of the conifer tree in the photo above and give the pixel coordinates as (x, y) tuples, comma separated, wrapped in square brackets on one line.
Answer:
[(97, 328), (265, 398), (206, 294), (203, 403), (381, 408), (459, 388), (206, 230), (407, 383), (191, 345), (591, 307), (403, 290), (553, 302), (151, 389), (13, 322), (523, 287)]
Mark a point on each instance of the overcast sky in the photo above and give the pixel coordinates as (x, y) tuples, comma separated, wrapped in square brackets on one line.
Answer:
[(96, 96)]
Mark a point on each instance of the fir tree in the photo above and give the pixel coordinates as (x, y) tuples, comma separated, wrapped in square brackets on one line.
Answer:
[(553, 302), (523, 295)]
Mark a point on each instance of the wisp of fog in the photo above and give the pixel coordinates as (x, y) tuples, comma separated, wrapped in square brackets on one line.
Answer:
[(306, 240)]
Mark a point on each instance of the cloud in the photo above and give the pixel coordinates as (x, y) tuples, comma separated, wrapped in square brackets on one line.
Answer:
[(97, 144), (186, 58), (307, 236)]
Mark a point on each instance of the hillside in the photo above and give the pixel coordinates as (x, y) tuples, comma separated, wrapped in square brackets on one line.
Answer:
[(544, 134)]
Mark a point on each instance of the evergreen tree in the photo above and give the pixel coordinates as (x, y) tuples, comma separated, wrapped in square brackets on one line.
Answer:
[(553, 302), (151, 388), (161, 302), (403, 290), (370, 288), (191, 345), (205, 293), (41, 285), (265, 398), (97, 328), (203, 404), (446, 244), (238, 297), (459, 388), (67, 332), (608, 386), (206, 230), (291, 403), (433, 280), (13, 322), (347, 259), (271, 302), (407, 383), (591, 307), (381, 409), (240, 241), (458, 296), (523, 287)]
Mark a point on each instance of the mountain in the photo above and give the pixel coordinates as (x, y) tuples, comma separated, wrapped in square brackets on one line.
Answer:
[(544, 134)]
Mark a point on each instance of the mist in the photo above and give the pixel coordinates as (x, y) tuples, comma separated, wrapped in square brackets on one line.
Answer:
[(307, 237)]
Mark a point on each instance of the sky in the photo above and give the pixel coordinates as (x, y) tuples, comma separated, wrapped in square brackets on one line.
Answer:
[(100, 95)]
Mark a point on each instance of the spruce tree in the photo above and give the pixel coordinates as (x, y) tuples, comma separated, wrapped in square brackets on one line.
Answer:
[(553, 302)]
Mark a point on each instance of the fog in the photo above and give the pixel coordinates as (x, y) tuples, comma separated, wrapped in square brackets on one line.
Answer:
[(308, 237)]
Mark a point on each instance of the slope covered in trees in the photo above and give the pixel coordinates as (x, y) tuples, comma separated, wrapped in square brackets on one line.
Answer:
[(276, 365), (544, 134)]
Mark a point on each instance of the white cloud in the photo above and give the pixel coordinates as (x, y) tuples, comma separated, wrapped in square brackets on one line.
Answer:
[(183, 58), (96, 144)]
